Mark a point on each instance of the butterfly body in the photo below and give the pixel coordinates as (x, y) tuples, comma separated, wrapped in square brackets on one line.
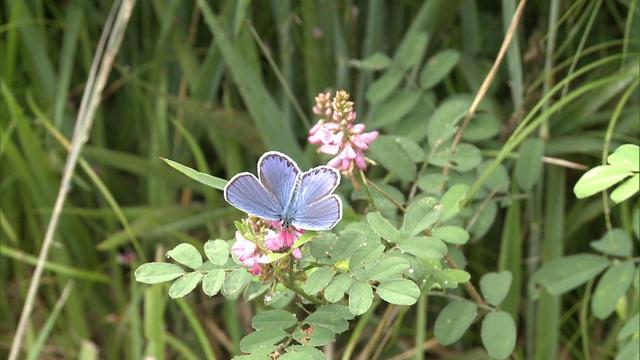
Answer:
[(282, 192)]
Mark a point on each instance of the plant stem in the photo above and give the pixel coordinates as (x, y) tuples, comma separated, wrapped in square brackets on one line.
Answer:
[(584, 321), (355, 335), (366, 188), (471, 290), (385, 194)]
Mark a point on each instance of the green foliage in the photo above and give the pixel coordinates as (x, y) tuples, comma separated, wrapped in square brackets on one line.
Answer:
[(498, 334), (495, 286), (454, 320), (623, 164)]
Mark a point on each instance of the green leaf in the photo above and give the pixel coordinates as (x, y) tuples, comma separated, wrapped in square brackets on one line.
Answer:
[(360, 298), (322, 245), (329, 320), (398, 291), (465, 158), (187, 255), (272, 257), (388, 267), (266, 339), (451, 201), (443, 122), (483, 126), (303, 239), (318, 280), (631, 327), (615, 242), (412, 148), (263, 108), (337, 287), (314, 336), (273, 319), (630, 351), (184, 284), (626, 156), (627, 189), (420, 215), (498, 179), (393, 109), (432, 183), (495, 286), (200, 177), (411, 49), (301, 352), (451, 234), (217, 251), (612, 286), (376, 61), (438, 67), (454, 320), (212, 282), (529, 163), (566, 273), (424, 247), (384, 85), (598, 179), (157, 272), (383, 227), (453, 277), (392, 156), (235, 282), (498, 334)]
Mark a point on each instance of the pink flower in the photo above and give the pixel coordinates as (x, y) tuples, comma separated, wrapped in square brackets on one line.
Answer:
[(243, 248), (245, 251), (283, 239), (336, 133), (296, 253)]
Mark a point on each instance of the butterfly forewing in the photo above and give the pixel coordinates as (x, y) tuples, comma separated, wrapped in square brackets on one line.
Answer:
[(278, 174), (245, 192)]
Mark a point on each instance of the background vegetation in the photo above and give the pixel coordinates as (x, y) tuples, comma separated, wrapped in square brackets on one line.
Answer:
[(215, 95)]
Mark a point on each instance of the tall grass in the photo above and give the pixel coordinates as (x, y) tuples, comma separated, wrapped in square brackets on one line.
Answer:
[(213, 85)]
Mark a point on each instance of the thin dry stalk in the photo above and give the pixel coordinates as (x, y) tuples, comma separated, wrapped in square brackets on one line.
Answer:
[(108, 47), (492, 73)]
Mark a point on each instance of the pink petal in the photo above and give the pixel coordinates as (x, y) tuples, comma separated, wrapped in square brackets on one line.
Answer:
[(335, 162), (329, 149), (296, 253), (361, 163)]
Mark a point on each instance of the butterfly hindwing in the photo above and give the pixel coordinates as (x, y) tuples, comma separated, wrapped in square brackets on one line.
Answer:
[(314, 207), (278, 174), (321, 215), (245, 192)]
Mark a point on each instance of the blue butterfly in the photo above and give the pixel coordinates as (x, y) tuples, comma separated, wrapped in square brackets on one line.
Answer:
[(282, 192)]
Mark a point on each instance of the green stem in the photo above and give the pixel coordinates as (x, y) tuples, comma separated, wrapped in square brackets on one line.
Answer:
[(366, 188), (355, 335), (584, 321), (421, 325), (385, 194), (291, 285)]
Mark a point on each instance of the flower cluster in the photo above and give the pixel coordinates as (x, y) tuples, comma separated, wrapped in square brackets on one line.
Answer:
[(337, 134), (263, 238)]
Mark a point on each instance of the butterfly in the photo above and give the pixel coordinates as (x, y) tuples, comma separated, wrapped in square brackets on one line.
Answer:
[(282, 192)]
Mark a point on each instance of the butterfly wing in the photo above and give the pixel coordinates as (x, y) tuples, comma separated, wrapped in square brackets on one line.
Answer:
[(321, 215), (278, 174), (315, 208), (245, 193)]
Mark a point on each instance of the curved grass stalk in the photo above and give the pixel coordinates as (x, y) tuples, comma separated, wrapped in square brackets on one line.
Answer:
[(522, 132)]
